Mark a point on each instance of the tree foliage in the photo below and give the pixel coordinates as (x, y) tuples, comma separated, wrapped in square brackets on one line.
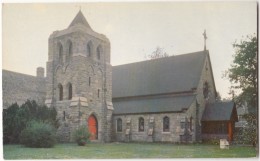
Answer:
[(158, 53), (15, 119), (38, 134), (243, 75), (251, 131), (243, 71)]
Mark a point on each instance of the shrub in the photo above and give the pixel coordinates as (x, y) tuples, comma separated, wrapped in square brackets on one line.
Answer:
[(38, 134), (11, 124), (15, 119), (81, 135)]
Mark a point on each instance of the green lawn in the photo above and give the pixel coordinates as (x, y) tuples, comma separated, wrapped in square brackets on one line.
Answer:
[(126, 150)]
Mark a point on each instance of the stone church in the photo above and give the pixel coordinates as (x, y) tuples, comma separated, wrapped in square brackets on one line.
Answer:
[(170, 99)]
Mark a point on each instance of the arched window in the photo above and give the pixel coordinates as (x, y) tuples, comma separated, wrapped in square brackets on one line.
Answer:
[(64, 116), (99, 50), (98, 93), (141, 124), (70, 50), (69, 91), (166, 124), (89, 48), (60, 53), (119, 125), (89, 81), (206, 90), (60, 92)]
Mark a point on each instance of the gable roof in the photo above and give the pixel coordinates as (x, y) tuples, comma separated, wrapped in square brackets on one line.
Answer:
[(17, 87), (79, 19), (153, 105), (220, 111), (165, 75)]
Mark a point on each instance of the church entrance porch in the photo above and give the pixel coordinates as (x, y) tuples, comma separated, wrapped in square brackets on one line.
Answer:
[(93, 127)]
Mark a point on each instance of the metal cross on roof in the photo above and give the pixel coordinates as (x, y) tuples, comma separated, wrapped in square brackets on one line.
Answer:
[(205, 38)]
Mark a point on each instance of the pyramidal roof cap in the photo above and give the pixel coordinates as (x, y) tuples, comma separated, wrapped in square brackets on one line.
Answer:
[(79, 19)]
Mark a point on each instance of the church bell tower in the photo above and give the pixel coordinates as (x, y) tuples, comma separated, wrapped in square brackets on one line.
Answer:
[(79, 80)]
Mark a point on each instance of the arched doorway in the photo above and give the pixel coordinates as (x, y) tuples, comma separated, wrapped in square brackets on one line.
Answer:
[(93, 127)]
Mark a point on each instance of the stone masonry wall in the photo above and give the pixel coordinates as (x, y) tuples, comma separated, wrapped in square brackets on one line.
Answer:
[(206, 75), (174, 134), (19, 87)]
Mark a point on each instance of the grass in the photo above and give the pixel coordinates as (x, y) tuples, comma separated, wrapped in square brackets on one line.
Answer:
[(126, 150)]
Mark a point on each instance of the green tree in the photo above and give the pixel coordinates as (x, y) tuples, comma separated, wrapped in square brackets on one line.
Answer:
[(15, 119), (243, 71), (9, 123), (243, 75)]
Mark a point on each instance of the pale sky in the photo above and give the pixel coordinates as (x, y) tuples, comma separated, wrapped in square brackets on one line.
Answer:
[(134, 30)]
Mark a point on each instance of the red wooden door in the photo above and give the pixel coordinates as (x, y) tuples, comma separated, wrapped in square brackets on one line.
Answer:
[(92, 126)]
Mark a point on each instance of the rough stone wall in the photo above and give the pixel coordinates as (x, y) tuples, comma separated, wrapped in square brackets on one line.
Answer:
[(206, 75), (174, 134), (19, 87), (191, 116), (89, 76)]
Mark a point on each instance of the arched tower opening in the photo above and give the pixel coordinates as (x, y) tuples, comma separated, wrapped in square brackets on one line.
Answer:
[(69, 51), (60, 56)]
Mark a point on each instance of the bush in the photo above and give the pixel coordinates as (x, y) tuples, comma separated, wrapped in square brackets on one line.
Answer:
[(38, 135), (15, 119), (9, 125), (81, 135)]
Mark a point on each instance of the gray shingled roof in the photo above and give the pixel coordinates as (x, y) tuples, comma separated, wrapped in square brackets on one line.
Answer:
[(219, 111), (165, 75), (19, 87), (153, 105), (80, 19)]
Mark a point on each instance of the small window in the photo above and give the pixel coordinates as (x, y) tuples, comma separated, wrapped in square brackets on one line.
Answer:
[(70, 48), (182, 125), (141, 124), (69, 51), (70, 91), (99, 52), (89, 49), (206, 90), (60, 92), (119, 125), (166, 124), (69, 55), (89, 81), (98, 92), (60, 54), (64, 116)]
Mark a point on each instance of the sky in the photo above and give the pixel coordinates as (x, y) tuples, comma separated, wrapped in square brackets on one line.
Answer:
[(135, 29)]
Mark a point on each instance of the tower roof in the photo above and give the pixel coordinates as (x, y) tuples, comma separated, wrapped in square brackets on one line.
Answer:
[(79, 19)]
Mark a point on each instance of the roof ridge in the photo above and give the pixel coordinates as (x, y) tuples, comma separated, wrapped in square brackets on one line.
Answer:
[(160, 59), (17, 73), (79, 19)]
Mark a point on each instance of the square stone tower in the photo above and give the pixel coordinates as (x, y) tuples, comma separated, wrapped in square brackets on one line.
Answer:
[(79, 80)]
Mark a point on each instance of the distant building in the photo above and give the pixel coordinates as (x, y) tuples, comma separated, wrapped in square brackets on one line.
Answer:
[(170, 99)]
